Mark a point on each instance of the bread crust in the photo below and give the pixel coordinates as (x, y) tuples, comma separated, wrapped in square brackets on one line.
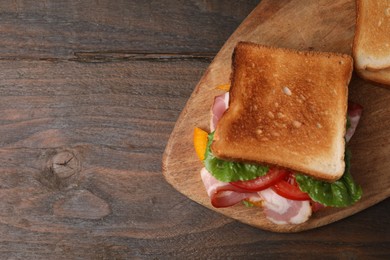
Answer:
[(371, 44), (287, 108), (382, 76)]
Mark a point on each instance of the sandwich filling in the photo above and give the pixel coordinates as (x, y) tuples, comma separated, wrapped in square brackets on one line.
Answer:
[(287, 197)]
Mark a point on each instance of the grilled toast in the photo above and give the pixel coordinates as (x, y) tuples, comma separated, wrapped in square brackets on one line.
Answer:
[(371, 46), (287, 108)]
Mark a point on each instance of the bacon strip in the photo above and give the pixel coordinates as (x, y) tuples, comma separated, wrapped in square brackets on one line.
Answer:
[(223, 194), (221, 103), (284, 211), (354, 114)]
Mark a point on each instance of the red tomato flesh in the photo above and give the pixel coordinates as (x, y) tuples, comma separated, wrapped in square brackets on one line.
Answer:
[(274, 175), (316, 206), (289, 189)]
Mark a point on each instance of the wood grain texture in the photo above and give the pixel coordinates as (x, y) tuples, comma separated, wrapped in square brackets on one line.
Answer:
[(58, 29), (89, 94), (331, 28)]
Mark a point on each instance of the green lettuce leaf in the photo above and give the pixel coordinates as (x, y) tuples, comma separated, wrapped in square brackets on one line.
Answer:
[(248, 204), (341, 193), (228, 171), (348, 122)]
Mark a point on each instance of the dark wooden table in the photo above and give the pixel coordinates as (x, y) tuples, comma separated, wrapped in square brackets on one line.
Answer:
[(90, 92)]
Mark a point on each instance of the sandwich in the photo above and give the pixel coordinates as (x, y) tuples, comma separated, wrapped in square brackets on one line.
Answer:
[(278, 137), (371, 46)]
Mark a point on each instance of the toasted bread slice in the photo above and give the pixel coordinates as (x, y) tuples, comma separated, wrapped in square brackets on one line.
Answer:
[(371, 46), (381, 76), (287, 108)]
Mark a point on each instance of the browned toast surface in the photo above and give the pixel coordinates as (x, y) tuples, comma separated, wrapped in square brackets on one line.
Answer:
[(371, 47), (287, 108)]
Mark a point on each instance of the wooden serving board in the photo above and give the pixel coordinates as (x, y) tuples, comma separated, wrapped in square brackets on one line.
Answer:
[(325, 25)]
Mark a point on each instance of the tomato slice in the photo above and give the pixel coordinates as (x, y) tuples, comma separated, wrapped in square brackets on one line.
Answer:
[(274, 175), (289, 189)]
